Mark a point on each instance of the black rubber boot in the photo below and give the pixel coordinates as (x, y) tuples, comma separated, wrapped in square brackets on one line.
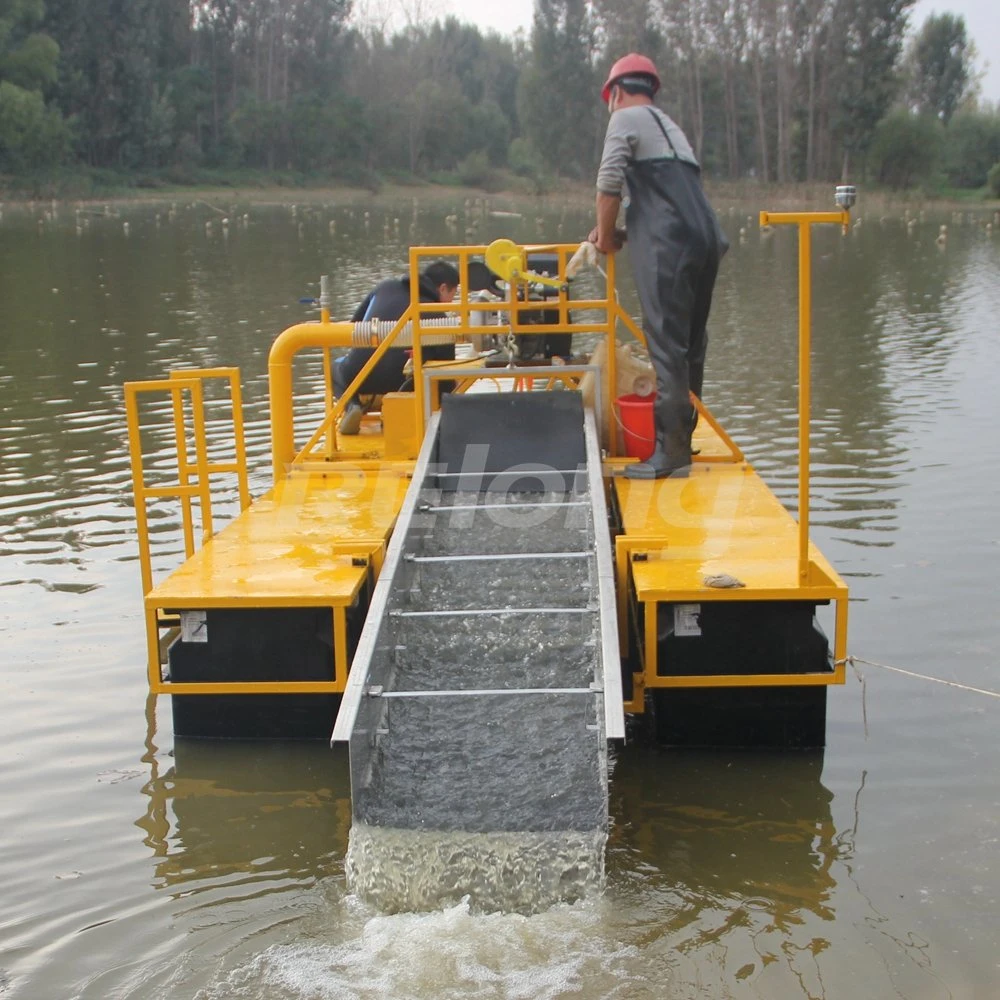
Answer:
[(655, 467), (661, 464), (694, 424), (672, 448)]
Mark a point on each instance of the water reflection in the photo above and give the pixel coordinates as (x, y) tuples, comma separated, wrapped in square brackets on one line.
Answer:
[(751, 828), (752, 879), (246, 815)]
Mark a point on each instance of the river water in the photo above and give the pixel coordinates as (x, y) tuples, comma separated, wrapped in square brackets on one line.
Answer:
[(131, 867)]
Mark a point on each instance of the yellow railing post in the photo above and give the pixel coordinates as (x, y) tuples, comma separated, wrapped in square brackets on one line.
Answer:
[(202, 464), (418, 354), (611, 340), (805, 397), (804, 221), (239, 433), (183, 473), (138, 486), (328, 401)]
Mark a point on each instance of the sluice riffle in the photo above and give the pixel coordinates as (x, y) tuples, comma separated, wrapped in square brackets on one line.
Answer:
[(479, 762)]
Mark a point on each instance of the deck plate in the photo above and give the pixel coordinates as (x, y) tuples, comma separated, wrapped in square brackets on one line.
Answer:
[(722, 519), (293, 546)]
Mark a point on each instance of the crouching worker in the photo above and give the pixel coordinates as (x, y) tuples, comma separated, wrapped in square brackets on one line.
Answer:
[(388, 300)]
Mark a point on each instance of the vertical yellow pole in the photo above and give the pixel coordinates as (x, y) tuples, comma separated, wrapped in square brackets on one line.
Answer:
[(611, 340), (418, 368), (138, 488), (183, 475), (621, 590), (328, 400), (201, 461), (324, 318), (463, 281), (340, 657), (804, 221), (651, 665), (561, 255), (279, 378), (153, 673), (805, 338), (840, 640), (239, 435)]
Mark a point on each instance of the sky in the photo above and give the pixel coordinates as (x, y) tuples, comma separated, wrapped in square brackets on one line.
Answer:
[(982, 20)]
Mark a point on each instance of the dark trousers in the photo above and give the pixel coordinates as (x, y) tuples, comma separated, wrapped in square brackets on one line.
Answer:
[(675, 309), (386, 376), (675, 245)]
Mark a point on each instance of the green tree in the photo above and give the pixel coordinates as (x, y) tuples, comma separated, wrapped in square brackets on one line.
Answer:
[(558, 102), (33, 136), (939, 65), (870, 35), (116, 57), (973, 147), (905, 149), (994, 180)]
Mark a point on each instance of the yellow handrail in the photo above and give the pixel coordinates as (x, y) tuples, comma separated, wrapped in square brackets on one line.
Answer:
[(239, 466), (183, 488), (420, 316), (805, 220), (193, 480)]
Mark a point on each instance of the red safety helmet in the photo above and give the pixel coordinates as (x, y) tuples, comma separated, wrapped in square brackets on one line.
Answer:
[(631, 65)]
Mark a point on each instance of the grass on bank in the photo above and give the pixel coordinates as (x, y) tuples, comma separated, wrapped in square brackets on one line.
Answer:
[(474, 176), (89, 183)]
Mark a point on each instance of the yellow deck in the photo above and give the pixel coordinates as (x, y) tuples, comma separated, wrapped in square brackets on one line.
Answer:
[(306, 543), (721, 520), (293, 546)]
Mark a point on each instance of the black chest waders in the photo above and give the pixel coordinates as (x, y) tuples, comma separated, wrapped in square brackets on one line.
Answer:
[(675, 245)]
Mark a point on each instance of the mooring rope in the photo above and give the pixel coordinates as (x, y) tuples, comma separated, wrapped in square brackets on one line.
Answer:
[(854, 660)]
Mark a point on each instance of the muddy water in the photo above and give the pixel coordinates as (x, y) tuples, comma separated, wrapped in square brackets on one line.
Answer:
[(131, 867)]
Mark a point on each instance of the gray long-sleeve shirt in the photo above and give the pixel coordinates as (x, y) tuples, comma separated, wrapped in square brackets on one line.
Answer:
[(633, 134)]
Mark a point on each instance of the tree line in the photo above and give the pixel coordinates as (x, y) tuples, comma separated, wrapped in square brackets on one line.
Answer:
[(777, 90)]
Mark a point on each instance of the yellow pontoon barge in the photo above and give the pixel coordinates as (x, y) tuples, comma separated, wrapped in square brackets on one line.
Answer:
[(486, 511)]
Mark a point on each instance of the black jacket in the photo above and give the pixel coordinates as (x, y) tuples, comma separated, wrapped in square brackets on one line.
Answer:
[(390, 299)]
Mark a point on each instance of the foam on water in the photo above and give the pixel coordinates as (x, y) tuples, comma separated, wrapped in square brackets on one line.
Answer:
[(451, 953), (520, 872)]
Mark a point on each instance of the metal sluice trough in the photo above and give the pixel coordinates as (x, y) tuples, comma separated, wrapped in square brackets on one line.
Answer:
[(487, 681)]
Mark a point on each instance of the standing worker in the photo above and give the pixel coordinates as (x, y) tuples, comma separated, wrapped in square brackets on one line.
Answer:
[(675, 244)]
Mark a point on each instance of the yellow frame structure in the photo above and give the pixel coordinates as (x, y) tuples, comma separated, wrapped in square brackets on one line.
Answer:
[(418, 317), (193, 479), (805, 577), (805, 221), (814, 582)]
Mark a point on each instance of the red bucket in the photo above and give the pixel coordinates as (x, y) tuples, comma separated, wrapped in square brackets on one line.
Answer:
[(636, 414)]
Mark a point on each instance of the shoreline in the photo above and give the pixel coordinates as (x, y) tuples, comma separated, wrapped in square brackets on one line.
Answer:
[(569, 193)]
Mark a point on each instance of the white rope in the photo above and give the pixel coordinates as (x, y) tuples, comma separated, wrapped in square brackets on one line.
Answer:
[(853, 660)]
